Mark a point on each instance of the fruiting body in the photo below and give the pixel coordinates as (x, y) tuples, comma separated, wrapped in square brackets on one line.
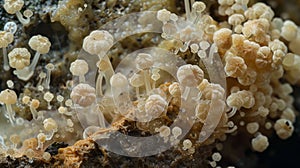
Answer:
[(41, 45), (9, 97), (98, 42), (19, 58), (14, 7), (5, 39), (79, 68), (83, 95)]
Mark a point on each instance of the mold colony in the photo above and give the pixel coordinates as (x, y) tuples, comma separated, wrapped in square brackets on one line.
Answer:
[(256, 49)]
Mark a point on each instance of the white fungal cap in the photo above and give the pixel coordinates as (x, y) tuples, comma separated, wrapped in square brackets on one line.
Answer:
[(5, 38), (163, 15), (47, 156), (48, 96), (194, 48), (288, 114), (28, 13), (118, 80), (50, 124), (8, 97), (176, 131), (164, 131), (10, 27), (174, 89), (136, 80), (25, 99), (235, 66), (35, 103), (41, 137), (79, 67), (143, 61), (198, 6), (98, 42), (83, 94), (252, 127), (13, 6), (241, 98), (236, 19), (260, 143), (289, 30), (284, 128), (50, 66), (40, 44), (19, 58), (155, 105), (216, 156), (187, 144), (190, 75)]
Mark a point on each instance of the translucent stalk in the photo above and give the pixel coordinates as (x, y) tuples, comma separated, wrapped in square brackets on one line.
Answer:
[(34, 113), (27, 72), (147, 81), (5, 59), (22, 19), (11, 114), (187, 7), (47, 81)]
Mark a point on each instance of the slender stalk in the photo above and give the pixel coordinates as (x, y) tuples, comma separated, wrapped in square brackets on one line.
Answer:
[(5, 59)]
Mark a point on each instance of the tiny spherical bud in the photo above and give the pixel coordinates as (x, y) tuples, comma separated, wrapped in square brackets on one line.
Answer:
[(60, 98), (164, 131), (187, 144), (50, 66), (204, 45), (10, 84), (252, 127), (48, 96), (194, 48), (69, 103), (62, 110), (28, 13), (46, 156), (216, 156), (25, 99), (176, 131), (35, 103)]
